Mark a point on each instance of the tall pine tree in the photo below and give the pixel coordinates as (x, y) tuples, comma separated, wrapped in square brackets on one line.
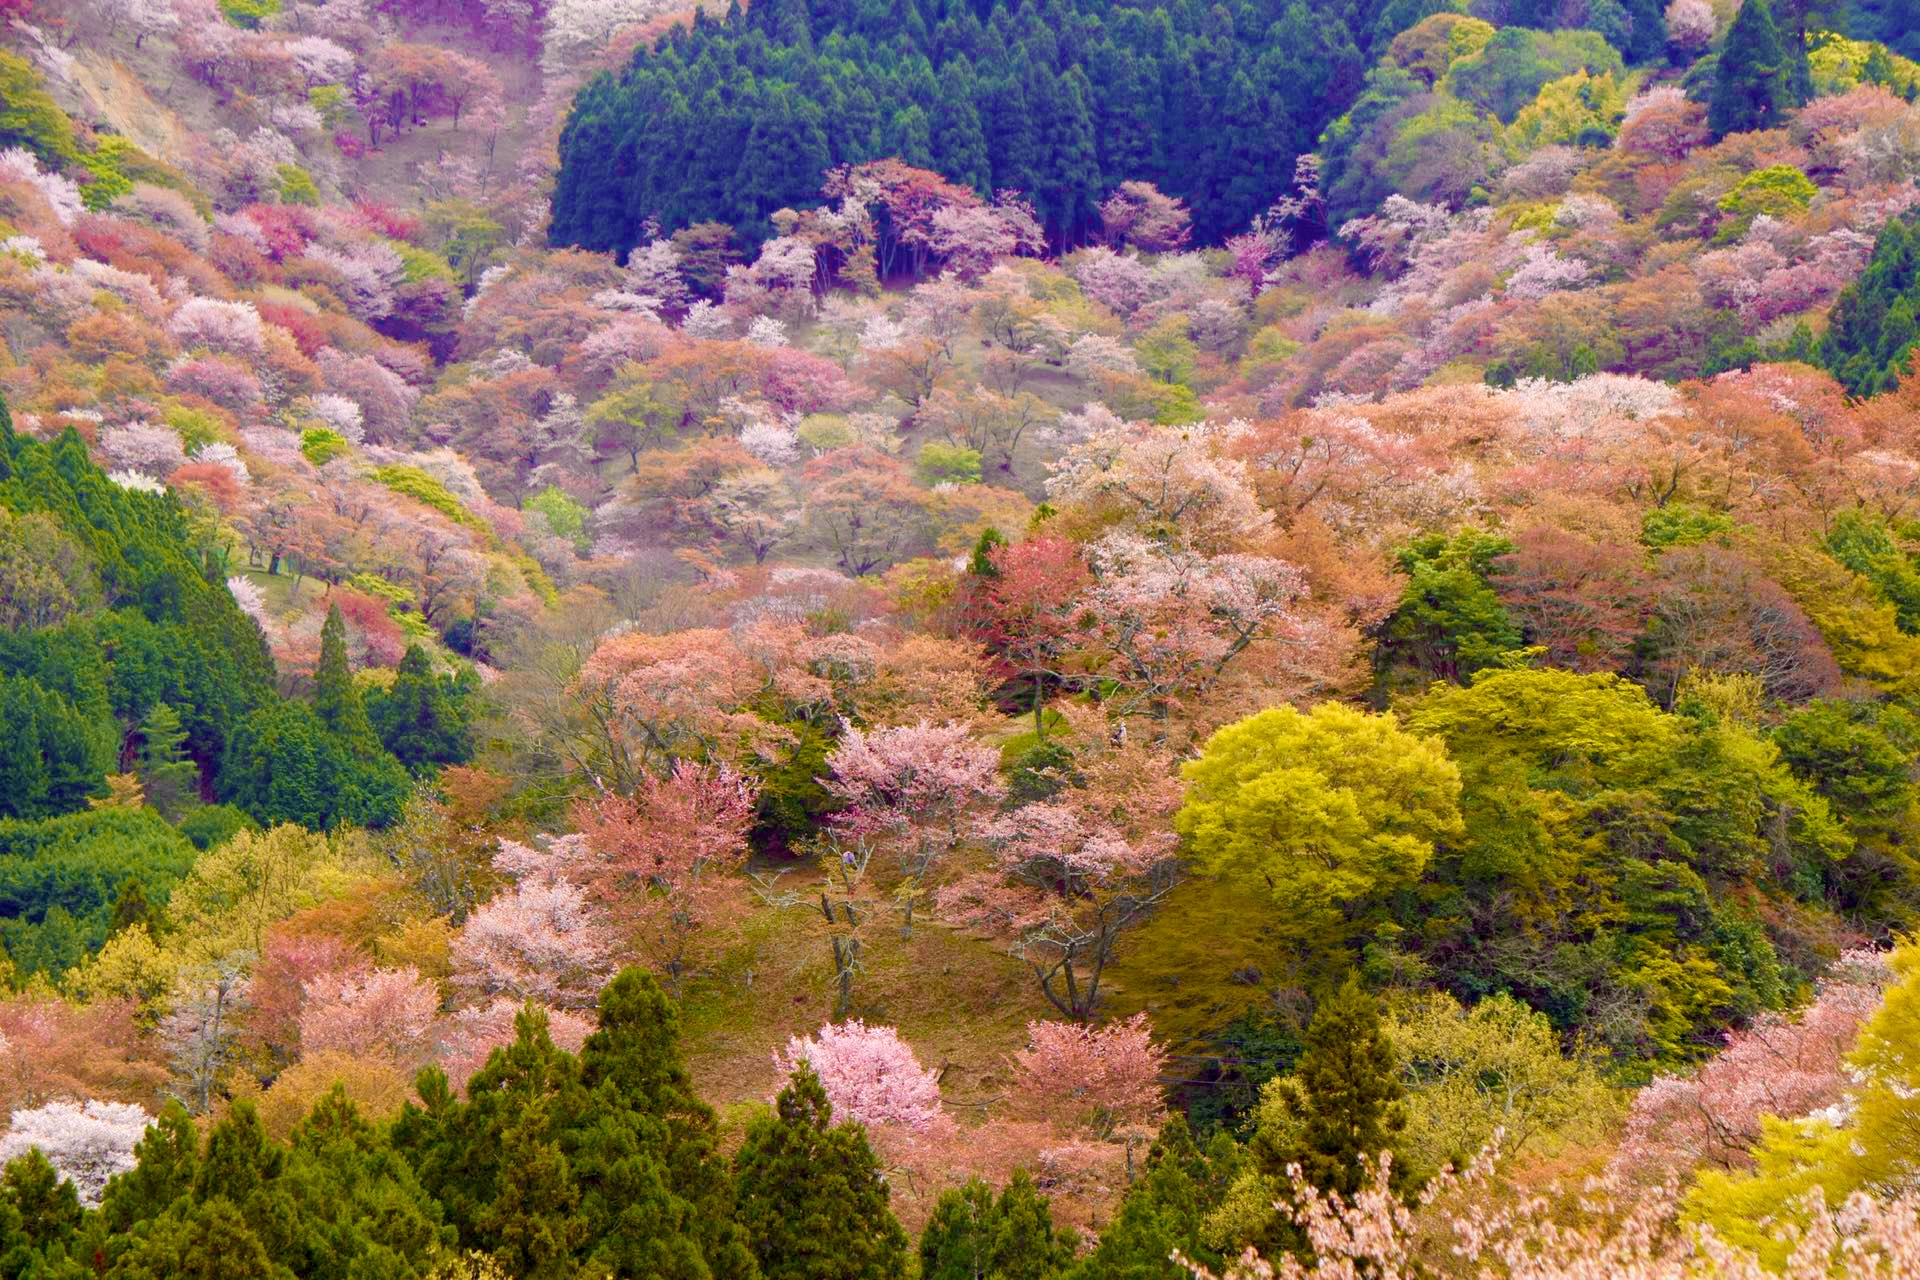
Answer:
[(169, 778), (811, 1196), (1344, 1098), (1751, 87)]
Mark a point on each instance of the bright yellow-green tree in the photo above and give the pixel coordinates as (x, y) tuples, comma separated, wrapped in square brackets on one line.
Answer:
[(1330, 809)]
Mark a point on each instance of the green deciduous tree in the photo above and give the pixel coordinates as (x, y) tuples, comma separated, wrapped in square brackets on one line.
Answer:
[(1331, 810)]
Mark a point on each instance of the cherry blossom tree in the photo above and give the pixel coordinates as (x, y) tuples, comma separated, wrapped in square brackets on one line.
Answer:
[(1030, 610), (1785, 1065), (1138, 214), (1168, 622), (915, 789), (87, 1142), (387, 1011), (231, 327), (661, 854), (1100, 1080), (539, 940), (870, 1075)]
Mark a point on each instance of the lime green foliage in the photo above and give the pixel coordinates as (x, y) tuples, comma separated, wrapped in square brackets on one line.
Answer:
[(1839, 64), (1270, 345), (195, 427), (60, 878), (1872, 1148), (1510, 70), (943, 463), (1449, 623), (106, 166), (466, 235), (397, 595), (249, 13), (1602, 832), (30, 118), (322, 445), (1497, 1066), (331, 101), (419, 264), (412, 482), (1680, 525), (1166, 352), (565, 517), (1778, 191), (1865, 544), (294, 185), (1578, 107), (1330, 812), (1447, 123)]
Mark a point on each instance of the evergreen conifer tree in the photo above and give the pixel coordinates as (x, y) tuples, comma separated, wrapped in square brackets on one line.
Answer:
[(810, 1194), (168, 776), (1166, 1209), (336, 699), (1751, 87), (1345, 1097), (418, 719), (973, 1236)]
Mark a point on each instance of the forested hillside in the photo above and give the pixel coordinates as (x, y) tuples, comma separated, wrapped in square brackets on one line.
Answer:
[(847, 641)]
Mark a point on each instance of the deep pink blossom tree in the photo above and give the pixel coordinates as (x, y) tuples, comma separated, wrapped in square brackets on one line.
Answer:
[(1102, 1080)]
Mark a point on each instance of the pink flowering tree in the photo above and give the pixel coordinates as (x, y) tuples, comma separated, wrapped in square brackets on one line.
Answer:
[(385, 1011), (870, 1075), (916, 790), (145, 447), (1072, 881), (662, 854), (1169, 622), (230, 327), (1783, 1065), (1102, 1081), (540, 940), (86, 1142)]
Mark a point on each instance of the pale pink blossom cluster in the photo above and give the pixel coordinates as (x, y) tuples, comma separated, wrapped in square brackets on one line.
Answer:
[(1119, 282), (144, 447), (388, 1011), (870, 1075), (1378, 1236), (1785, 1065), (231, 327), (17, 164), (87, 1142), (1543, 271), (535, 941)]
